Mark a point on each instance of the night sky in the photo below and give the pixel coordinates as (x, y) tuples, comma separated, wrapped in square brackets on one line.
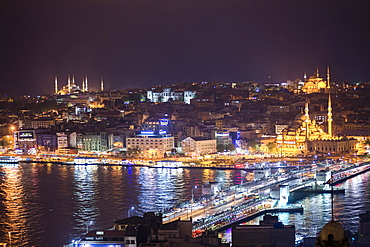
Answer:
[(139, 43)]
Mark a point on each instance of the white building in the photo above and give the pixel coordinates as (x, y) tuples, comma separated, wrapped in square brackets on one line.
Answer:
[(167, 95), (42, 123), (151, 144), (195, 146)]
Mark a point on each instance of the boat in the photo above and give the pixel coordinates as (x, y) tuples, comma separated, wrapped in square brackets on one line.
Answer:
[(9, 159), (82, 161)]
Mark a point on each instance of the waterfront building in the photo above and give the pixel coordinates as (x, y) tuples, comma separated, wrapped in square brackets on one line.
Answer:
[(304, 136), (103, 238), (25, 139), (47, 141), (195, 146), (151, 144), (94, 141), (223, 138), (364, 229), (147, 226), (176, 229), (168, 95), (269, 232)]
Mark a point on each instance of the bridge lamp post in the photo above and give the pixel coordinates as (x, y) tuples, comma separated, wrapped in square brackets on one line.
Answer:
[(129, 212)]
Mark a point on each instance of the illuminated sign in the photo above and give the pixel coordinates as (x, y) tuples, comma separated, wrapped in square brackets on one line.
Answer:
[(222, 134), (26, 134), (146, 132), (163, 122)]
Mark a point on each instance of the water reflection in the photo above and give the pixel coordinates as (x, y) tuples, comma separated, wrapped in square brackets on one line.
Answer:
[(50, 204), (317, 209)]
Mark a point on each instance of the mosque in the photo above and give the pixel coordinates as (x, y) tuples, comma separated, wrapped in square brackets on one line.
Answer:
[(304, 137), (315, 84), (72, 87)]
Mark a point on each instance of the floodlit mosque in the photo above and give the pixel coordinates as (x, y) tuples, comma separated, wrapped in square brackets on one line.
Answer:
[(304, 137), (315, 84), (72, 87)]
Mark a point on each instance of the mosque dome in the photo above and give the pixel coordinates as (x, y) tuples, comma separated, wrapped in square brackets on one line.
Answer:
[(332, 229), (332, 235)]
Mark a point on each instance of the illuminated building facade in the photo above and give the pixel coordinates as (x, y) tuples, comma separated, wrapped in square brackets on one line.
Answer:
[(151, 144), (25, 139), (168, 95), (195, 146), (305, 136), (72, 87), (270, 232), (315, 84), (42, 122), (94, 141)]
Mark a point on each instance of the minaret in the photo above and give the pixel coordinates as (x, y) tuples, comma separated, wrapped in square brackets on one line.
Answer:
[(330, 119), (83, 84), (69, 83), (101, 84), (328, 78), (56, 84), (317, 72), (86, 85), (305, 76), (307, 119), (73, 79)]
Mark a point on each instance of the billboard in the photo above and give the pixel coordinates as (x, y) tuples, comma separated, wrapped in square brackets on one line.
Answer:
[(26, 134)]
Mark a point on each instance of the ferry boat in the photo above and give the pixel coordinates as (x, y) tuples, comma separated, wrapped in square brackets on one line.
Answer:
[(82, 161), (9, 159)]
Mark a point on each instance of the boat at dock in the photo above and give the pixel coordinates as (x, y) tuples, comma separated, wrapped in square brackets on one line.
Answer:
[(9, 159)]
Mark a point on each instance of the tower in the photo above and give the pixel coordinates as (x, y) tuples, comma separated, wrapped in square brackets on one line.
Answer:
[(328, 78), (101, 84), (330, 119), (73, 79), (305, 77), (317, 72), (56, 84)]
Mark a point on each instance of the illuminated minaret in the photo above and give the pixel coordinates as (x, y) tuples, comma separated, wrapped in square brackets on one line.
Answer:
[(101, 84), (73, 79), (307, 119), (86, 85), (69, 83), (317, 72), (83, 84), (56, 84), (330, 119), (305, 76), (328, 77)]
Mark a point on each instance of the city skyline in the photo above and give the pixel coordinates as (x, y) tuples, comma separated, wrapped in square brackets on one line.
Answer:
[(140, 44)]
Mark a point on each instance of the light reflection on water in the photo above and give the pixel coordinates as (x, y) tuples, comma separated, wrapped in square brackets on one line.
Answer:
[(50, 204), (317, 209)]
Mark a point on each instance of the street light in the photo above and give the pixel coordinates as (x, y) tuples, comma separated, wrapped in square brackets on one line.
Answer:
[(10, 238), (13, 142), (192, 200), (129, 212), (87, 226)]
